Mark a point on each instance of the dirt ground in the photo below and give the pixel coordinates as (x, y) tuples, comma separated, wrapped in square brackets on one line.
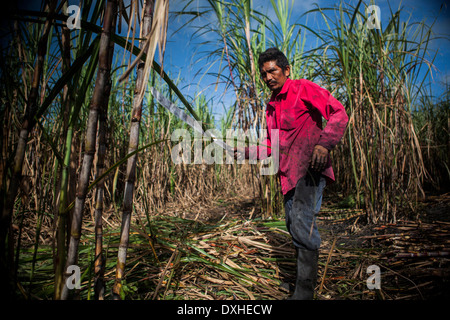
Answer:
[(225, 249), (413, 256)]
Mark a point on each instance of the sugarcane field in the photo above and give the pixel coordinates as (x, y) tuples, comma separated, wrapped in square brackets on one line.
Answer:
[(225, 150)]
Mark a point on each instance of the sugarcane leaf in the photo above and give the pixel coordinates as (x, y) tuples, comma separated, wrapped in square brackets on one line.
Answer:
[(119, 41), (117, 164), (67, 77), (83, 89), (50, 142)]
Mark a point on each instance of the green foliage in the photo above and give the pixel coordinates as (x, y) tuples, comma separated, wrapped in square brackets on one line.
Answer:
[(431, 122)]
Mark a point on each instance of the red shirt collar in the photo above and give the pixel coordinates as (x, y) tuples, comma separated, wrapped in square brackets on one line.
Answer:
[(286, 86), (284, 90)]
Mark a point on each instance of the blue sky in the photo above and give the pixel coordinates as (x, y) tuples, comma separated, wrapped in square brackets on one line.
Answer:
[(183, 55)]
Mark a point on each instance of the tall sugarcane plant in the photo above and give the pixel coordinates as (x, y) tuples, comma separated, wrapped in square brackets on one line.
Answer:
[(141, 81), (236, 57), (99, 100), (99, 263), (376, 73), (64, 189), (27, 125), (91, 48), (73, 102)]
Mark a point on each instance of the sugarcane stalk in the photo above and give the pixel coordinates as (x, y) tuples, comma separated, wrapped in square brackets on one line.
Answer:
[(247, 12), (98, 98), (99, 262), (60, 259), (25, 129), (99, 267), (133, 145)]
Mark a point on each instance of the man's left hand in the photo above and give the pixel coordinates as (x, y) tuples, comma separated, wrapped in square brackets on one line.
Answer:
[(319, 158)]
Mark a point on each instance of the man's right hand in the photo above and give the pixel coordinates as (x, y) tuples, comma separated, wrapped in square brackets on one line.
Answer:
[(319, 158), (239, 153)]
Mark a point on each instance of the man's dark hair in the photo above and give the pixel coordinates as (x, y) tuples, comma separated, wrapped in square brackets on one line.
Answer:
[(273, 54)]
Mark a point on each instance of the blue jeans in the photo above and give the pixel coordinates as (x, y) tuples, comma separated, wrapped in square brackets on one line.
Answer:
[(301, 205)]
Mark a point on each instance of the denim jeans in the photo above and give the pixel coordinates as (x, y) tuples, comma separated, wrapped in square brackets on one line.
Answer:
[(302, 204)]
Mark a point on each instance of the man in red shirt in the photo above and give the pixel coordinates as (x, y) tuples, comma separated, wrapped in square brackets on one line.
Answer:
[(296, 108)]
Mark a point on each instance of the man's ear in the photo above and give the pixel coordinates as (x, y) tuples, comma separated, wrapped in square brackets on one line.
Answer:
[(287, 71)]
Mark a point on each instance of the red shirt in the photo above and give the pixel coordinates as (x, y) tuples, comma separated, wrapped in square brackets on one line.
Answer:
[(297, 112)]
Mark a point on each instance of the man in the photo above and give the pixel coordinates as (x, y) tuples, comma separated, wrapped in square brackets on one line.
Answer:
[(296, 108)]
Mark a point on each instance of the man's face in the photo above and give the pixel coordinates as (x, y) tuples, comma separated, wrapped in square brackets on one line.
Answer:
[(274, 76)]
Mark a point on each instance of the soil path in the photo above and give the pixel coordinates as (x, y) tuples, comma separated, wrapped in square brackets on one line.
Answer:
[(413, 257)]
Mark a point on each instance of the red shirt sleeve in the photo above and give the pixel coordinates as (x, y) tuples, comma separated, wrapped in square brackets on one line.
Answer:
[(330, 108)]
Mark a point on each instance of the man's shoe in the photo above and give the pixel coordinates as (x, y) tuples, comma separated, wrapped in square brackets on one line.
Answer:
[(306, 274)]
